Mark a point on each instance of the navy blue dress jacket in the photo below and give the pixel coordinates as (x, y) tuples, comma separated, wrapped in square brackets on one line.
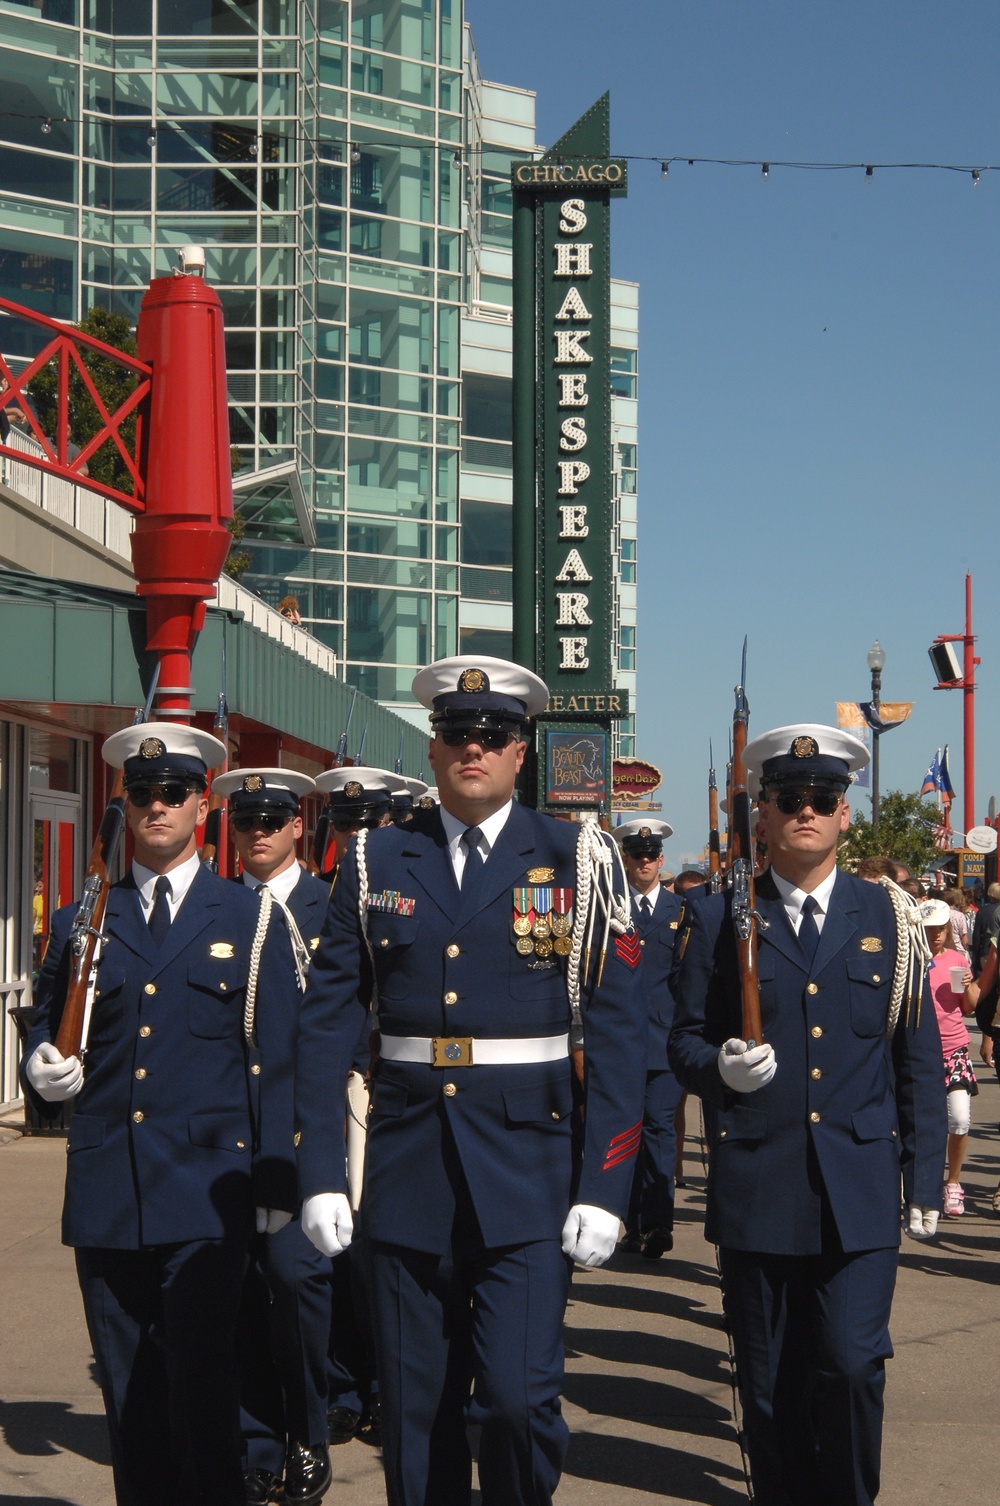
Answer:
[(450, 967), (177, 1132), (658, 943), (847, 1112)]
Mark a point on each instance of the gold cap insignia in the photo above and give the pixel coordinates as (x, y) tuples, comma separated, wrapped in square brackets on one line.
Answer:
[(645, 831), (152, 747), (871, 943), (253, 784), (804, 747), (297, 1138), (353, 790), (222, 949), (473, 680), (540, 875), (314, 943)]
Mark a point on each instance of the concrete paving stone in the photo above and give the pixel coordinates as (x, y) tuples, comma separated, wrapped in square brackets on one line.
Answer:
[(648, 1392)]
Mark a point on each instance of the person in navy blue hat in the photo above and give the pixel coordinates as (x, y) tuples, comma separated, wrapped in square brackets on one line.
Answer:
[(178, 1131), (285, 1317), (357, 800), (649, 1227), (813, 1128), (465, 928)]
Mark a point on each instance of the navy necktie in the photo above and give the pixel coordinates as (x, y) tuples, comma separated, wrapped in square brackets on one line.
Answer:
[(808, 929), (472, 873), (645, 913), (159, 916)]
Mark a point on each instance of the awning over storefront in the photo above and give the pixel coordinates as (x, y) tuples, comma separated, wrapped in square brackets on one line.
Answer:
[(74, 646)]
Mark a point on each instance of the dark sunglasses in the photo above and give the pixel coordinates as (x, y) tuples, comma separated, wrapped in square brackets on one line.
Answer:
[(823, 802), (142, 795), (261, 821), (355, 823), (487, 737)]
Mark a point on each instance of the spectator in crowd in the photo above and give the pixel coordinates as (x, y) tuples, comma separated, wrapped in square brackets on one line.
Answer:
[(913, 886), (989, 1046), (288, 606), (954, 995), (985, 928), (875, 868), (955, 900)]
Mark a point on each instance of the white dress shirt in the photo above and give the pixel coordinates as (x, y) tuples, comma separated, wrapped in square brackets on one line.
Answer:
[(181, 878), (793, 899), (490, 826)]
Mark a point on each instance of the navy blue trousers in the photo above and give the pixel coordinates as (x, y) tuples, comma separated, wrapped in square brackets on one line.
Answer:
[(353, 1382), (811, 1336), (162, 1322), (284, 1334), (651, 1202), (473, 1337)]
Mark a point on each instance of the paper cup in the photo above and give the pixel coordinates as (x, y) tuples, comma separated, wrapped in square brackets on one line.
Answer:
[(957, 975)]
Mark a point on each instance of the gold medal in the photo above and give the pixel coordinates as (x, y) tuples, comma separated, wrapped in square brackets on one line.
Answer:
[(543, 946), (522, 925), (561, 925), (525, 945), (541, 928), (562, 945)]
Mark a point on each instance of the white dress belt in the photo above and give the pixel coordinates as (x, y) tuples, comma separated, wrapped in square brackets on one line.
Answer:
[(439, 1050)]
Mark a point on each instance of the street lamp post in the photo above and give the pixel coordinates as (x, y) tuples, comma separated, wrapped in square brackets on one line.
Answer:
[(876, 663)]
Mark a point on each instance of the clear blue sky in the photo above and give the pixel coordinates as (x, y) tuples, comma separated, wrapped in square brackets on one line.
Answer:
[(819, 395)]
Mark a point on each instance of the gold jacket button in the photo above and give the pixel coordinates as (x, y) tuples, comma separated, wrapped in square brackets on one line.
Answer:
[(812, 988), (814, 1117), (150, 988), (450, 997), (138, 1116), (555, 1113), (449, 1090), (240, 1145), (145, 1030), (452, 950), (140, 1073), (723, 1134), (876, 977), (222, 988), (817, 1031), (255, 1069), (815, 1072), (384, 941)]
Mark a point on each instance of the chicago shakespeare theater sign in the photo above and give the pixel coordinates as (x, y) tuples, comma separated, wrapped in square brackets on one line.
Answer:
[(563, 499)]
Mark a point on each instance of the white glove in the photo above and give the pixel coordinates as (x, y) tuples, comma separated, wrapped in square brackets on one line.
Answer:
[(589, 1234), (923, 1222), (270, 1220), (53, 1076), (326, 1219), (743, 1070)]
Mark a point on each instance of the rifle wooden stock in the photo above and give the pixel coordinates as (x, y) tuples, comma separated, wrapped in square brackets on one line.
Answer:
[(741, 856), (86, 931), (714, 855)]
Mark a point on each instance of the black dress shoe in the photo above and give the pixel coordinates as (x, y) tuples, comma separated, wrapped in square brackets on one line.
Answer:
[(307, 1474), (630, 1245), (262, 1486), (656, 1243), (371, 1428), (342, 1424)]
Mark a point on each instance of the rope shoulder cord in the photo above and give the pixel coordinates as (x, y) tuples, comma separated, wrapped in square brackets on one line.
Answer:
[(250, 1003), (913, 956), (602, 893)]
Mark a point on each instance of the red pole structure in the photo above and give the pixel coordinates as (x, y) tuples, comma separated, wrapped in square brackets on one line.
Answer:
[(179, 544), (968, 707)]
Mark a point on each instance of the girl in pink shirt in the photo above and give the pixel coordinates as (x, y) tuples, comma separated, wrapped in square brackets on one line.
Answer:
[(950, 967)]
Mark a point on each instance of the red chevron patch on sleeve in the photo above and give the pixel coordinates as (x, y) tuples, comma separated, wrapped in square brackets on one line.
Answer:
[(629, 948), (622, 1147)]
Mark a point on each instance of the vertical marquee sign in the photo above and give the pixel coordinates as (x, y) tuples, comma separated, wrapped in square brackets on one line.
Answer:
[(563, 512)]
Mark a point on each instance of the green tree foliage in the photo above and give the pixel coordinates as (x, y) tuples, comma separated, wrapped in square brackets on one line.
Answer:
[(114, 383), (237, 561), (904, 833)]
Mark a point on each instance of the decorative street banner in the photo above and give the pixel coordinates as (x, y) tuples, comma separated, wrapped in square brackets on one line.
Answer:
[(856, 717), (576, 768), (563, 499)]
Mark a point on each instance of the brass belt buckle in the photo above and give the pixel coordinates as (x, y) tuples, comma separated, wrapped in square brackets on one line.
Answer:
[(452, 1051)]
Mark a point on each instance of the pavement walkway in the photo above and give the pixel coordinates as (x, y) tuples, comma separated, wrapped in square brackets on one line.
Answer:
[(648, 1394)]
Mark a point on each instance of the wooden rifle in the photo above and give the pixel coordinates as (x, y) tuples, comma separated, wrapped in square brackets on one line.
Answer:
[(86, 935), (213, 841), (741, 854), (714, 857), (321, 835), (361, 748)]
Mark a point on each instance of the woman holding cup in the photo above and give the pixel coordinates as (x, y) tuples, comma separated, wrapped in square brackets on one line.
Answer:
[(954, 995)]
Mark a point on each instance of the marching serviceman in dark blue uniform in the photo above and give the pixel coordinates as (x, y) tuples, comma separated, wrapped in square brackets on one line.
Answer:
[(649, 1227), (812, 1129), (178, 1131), (285, 1320), (467, 929)]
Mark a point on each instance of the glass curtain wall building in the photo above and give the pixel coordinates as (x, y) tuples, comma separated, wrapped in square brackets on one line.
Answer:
[(347, 170)]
